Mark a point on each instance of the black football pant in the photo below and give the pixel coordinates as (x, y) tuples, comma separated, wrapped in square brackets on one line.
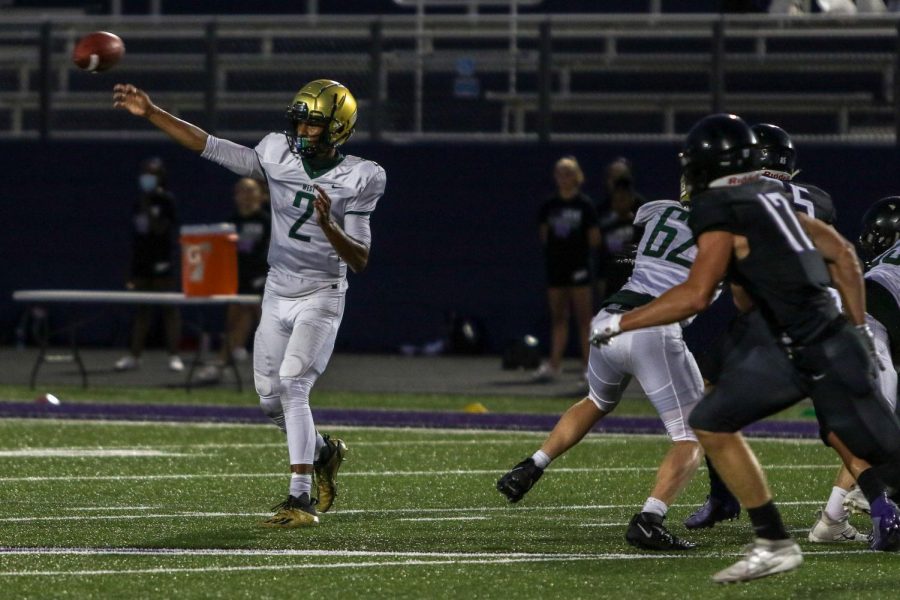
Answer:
[(758, 379)]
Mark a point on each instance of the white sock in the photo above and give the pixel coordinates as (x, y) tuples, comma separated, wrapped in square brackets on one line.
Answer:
[(835, 507), (300, 484), (541, 459), (655, 506)]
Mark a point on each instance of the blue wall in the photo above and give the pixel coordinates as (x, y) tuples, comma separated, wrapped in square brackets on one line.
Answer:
[(455, 231)]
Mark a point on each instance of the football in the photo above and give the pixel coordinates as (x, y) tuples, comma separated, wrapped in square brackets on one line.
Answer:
[(98, 51)]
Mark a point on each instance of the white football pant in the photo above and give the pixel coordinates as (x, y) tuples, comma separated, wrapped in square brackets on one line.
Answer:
[(662, 364), (292, 347)]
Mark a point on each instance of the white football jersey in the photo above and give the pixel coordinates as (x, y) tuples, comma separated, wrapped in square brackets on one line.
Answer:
[(300, 256), (666, 250), (886, 271)]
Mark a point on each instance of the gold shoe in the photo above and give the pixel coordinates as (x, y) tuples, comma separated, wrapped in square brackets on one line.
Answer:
[(326, 470), (293, 512)]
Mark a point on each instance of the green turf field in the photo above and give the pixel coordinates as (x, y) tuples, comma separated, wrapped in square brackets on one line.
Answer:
[(417, 517)]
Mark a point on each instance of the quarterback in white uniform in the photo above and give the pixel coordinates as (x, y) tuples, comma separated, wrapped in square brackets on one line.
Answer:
[(321, 202), (661, 362)]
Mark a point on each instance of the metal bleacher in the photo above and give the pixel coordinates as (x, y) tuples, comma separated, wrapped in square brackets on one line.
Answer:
[(601, 76)]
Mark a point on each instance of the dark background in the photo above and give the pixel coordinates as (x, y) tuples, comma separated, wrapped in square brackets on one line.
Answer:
[(455, 230)]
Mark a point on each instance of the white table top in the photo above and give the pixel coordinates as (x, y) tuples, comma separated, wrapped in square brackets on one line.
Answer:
[(126, 297)]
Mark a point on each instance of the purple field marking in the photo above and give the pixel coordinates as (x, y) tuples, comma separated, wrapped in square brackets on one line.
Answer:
[(370, 418)]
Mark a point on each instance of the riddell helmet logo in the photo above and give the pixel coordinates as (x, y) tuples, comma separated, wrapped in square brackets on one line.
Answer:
[(781, 175), (743, 178)]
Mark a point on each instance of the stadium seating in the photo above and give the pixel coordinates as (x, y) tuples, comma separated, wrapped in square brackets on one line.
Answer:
[(610, 74)]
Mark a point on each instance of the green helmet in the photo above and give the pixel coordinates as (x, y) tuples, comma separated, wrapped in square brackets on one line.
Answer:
[(325, 103)]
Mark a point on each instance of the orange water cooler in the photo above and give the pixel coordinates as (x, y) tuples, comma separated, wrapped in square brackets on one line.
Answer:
[(209, 259)]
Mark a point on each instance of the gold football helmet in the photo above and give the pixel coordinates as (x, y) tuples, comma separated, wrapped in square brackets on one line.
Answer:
[(326, 103)]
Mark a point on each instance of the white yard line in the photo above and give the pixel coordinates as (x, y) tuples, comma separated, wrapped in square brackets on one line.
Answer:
[(412, 559), (443, 519), (429, 473), (507, 511), (288, 567), (336, 553), (92, 453), (103, 508)]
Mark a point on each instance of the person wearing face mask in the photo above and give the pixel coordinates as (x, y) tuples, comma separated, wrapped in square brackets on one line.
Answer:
[(154, 225)]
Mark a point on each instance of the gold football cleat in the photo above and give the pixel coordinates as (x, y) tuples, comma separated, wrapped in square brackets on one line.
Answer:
[(293, 512), (326, 472)]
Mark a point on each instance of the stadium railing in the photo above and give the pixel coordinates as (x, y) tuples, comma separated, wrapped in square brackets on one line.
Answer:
[(451, 76)]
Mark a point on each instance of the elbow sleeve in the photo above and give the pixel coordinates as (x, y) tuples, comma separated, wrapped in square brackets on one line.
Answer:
[(234, 157)]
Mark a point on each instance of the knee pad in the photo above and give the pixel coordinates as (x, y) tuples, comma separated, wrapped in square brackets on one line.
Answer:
[(266, 385), (270, 405)]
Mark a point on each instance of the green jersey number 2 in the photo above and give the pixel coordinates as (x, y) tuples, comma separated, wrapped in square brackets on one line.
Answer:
[(298, 200), (671, 234)]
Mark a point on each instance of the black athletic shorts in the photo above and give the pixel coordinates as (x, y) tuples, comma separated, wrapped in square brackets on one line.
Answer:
[(753, 377), (759, 378)]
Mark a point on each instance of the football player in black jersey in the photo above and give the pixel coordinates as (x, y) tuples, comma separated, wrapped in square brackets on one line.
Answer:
[(777, 160), (782, 263)]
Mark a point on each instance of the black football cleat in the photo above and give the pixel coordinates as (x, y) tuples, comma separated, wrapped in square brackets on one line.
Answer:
[(647, 531), (711, 512), (515, 484)]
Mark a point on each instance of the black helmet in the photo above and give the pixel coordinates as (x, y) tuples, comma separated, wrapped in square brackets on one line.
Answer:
[(881, 227), (716, 146), (776, 150)]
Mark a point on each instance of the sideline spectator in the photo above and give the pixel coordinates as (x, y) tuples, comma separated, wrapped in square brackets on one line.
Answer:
[(568, 231), (618, 183), (253, 225), (152, 265), (618, 174), (617, 234)]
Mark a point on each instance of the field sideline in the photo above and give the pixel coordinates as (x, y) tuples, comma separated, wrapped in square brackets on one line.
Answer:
[(105, 509)]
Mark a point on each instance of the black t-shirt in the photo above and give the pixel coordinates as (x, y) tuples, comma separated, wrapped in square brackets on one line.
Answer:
[(154, 225), (568, 223), (618, 237), (783, 273), (253, 233)]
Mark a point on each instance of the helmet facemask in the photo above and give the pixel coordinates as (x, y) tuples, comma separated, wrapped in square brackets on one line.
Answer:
[(298, 114)]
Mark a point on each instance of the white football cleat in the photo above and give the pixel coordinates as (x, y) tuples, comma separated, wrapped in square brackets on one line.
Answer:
[(128, 363), (175, 363), (827, 530), (855, 502), (763, 558)]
